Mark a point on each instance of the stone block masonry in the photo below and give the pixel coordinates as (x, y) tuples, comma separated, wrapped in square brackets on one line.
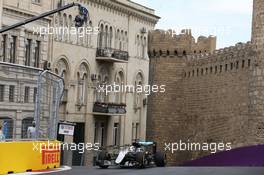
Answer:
[(212, 97)]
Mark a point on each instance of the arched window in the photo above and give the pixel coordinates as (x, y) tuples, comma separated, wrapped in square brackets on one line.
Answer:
[(57, 23), (144, 46), (65, 25), (117, 39), (60, 24), (138, 95), (141, 46), (70, 26), (106, 41), (138, 46), (110, 37), (62, 69), (89, 36), (154, 52), (83, 75), (119, 80), (101, 36), (126, 42), (168, 52), (103, 80), (121, 40)]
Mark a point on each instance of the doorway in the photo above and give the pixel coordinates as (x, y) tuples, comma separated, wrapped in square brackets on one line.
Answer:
[(79, 137)]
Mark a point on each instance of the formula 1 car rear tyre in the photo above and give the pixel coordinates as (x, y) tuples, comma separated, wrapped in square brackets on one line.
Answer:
[(140, 159), (101, 158), (160, 159)]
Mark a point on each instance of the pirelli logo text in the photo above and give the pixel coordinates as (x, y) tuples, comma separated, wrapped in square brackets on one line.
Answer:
[(50, 155)]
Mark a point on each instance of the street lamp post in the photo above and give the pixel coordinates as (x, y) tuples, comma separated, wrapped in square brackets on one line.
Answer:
[(79, 20)]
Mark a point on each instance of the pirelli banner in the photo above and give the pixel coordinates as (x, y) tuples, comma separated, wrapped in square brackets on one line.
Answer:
[(28, 156)]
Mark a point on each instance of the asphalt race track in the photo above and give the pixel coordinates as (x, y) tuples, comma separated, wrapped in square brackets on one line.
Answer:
[(164, 171)]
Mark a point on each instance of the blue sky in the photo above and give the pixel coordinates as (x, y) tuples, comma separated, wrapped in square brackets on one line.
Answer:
[(229, 20)]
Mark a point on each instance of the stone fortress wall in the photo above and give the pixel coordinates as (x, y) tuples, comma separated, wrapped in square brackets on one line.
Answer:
[(213, 96)]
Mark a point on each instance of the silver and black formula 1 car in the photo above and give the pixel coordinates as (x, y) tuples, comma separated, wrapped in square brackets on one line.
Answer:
[(139, 154)]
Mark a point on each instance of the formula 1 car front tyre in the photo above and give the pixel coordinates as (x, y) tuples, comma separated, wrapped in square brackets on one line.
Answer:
[(102, 157), (140, 159), (160, 159)]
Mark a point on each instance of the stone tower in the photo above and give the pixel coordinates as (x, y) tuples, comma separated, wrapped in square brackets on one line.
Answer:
[(256, 84), (258, 23)]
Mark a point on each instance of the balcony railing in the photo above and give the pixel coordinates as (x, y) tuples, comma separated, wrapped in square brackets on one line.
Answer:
[(112, 55), (109, 108)]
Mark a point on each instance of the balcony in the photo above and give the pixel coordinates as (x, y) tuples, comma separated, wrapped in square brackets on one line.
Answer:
[(111, 55), (109, 109)]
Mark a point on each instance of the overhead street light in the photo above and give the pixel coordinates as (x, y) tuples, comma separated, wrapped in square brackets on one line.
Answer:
[(82, 17), (79, 20)]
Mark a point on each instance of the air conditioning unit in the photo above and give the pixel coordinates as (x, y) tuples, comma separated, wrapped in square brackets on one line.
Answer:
[(46, 65), (143, 30)]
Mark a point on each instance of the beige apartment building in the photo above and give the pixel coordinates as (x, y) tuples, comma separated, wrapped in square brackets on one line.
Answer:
[(115, 55)]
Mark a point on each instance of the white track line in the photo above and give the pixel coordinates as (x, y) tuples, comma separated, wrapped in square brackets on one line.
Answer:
[(64, 168)]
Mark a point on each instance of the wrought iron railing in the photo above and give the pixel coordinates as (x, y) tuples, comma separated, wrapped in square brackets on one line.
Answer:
[(109, 108), (112, 53)]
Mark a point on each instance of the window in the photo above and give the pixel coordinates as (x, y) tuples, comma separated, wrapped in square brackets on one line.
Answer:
[(2, 93), (26, 94), (82, 76), (95, 133), (137, 131), (27, 122), (111, 37), (116, 134), (249, 63), (28, 52), (102, 134), (13, 49), (11, 93), (144, 45), (36, 1), (231, 66), (133, 132), (4, 44), (100, 36), (211, 69), (226, 67), (215, 69), (243, 63), (221, 68), (8, 127), (37, 54), (35, 94), (237, 64)]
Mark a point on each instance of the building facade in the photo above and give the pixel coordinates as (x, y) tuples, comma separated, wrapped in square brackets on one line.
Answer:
[(212, 97), (21, 46), (115, 54)]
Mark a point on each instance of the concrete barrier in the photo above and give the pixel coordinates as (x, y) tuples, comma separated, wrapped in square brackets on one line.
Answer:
[(28, 156)]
